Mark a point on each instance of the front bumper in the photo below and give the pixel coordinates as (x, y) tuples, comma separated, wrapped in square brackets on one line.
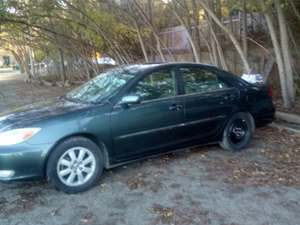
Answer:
[(23, 161)]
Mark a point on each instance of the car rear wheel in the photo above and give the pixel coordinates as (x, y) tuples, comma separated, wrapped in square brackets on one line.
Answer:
[(75, 165), (238, 132)]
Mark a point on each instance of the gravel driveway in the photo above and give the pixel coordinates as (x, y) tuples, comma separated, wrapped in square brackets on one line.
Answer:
[(203, 185)]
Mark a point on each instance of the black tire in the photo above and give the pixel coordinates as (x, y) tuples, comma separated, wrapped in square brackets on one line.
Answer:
[(60, 150), (238, 132)]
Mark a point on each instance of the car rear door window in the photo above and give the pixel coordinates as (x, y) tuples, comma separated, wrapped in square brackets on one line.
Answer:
[(197, 80), (156, 86)]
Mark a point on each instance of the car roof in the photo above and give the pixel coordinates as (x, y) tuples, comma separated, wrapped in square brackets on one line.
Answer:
[(138, 68)]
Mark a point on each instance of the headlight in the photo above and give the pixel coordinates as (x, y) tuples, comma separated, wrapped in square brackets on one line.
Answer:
[(17, 136)]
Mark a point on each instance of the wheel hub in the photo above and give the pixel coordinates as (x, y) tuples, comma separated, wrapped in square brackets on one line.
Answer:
[(238, 131), (76, 166)]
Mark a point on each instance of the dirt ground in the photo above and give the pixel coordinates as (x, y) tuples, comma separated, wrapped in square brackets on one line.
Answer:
[(204, 185), (14, 92)]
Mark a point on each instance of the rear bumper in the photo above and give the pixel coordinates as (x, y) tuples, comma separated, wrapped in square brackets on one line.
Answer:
[(23, 161), (264, 115), (263, 121)]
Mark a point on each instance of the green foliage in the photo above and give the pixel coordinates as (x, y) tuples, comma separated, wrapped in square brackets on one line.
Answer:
[(39, 55)]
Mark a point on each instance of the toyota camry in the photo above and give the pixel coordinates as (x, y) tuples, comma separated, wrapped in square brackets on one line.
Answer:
[(126, 114)]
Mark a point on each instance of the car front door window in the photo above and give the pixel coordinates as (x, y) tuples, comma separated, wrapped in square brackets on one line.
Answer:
[(155, 86)]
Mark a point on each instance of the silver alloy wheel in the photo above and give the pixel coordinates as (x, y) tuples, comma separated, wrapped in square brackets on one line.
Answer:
[(76, 166)]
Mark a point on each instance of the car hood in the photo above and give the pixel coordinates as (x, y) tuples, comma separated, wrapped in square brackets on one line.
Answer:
[(30, 114)]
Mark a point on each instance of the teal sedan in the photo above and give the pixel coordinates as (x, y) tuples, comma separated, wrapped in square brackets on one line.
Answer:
[(126, 114)]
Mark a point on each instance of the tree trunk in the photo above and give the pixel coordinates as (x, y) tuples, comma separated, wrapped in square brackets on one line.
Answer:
[(244, 30), (159, 43), (62, 66), (279, 61), (190, 39), (209, 47), (285, 51), (295, 10), (291, 118), (22, 58), (196, 25), (156, 36), (159, 49), (28, 75), (152, 38), (87, 71), (141, 42), (31, 61), (217, 46), (230, 35), (268, 66)]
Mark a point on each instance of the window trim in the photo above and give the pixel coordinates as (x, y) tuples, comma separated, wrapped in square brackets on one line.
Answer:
[(205, 93), (182, 86), (173, 72)]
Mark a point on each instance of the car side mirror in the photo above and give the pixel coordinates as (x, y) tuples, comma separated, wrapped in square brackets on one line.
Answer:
[(130, 100)]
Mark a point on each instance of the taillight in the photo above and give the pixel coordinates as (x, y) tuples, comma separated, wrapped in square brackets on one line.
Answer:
[(270, 90)]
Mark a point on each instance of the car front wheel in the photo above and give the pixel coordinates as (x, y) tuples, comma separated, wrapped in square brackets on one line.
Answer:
[(238, 132), (75, 165)]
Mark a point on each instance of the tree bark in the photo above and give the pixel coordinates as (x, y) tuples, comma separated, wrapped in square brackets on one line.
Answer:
[(156, 36), (62, 65), (190, 39), (296, 12), (142, 44), (217, 46), (196, 25), (152, 38), (285, 51), (279, 60), (159, 43), (230, 35), (209, 47), (21, 55), (244, 31), (31, 61), (291, 118)]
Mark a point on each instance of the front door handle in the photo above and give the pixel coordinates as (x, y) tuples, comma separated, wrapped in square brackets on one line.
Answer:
[(230, 97), (176, 107)]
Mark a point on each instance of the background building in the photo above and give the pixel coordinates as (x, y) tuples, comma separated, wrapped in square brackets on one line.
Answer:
[(7, 59)]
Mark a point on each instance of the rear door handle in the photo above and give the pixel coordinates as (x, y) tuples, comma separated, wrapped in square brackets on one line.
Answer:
[(175, 107), (179, 107)]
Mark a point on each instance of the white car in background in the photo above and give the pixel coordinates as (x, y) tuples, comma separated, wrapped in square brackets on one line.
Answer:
[(106, 61)]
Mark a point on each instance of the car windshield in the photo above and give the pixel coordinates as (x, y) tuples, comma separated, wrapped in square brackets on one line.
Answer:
[(101, 86)]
